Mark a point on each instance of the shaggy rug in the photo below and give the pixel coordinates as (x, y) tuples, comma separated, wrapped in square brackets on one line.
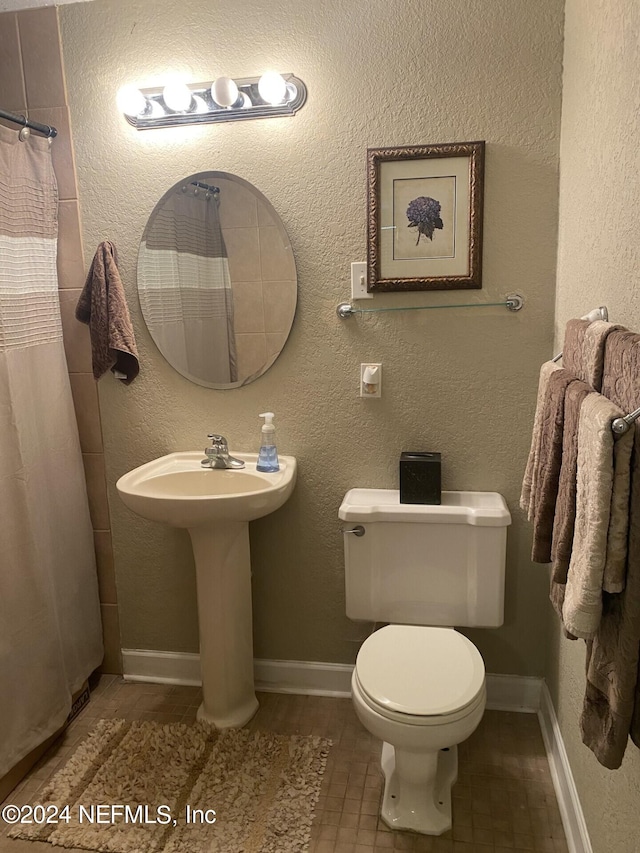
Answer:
[(144, 787)]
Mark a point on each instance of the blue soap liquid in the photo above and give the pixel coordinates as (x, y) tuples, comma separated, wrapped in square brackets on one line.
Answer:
[(268, 459)]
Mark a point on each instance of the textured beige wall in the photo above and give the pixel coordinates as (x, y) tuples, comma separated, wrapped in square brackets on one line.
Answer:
[(598, 264), (379, 73)]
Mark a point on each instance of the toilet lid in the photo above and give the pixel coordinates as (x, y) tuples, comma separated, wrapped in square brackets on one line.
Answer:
[(422, 671)]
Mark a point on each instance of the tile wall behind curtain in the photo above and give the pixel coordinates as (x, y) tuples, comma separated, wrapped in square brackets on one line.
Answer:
[(32, 78)]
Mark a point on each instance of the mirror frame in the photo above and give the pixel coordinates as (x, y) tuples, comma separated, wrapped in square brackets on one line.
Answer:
[(211, 176)]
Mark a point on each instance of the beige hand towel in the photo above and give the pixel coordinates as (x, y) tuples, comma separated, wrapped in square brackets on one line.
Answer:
[(583, 595), (573, 348), (103, 307), (583, 351), (531, 470), (595, 339), (565, 514), (545, 488)]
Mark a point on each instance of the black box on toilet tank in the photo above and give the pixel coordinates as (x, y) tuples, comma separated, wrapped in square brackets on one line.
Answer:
[(420, 481)]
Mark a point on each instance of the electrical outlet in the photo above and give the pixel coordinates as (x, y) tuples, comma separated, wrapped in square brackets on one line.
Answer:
[(359, 282), (371, 380)]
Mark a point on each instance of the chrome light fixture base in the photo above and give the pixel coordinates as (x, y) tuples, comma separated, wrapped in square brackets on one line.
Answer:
[(204, 110)]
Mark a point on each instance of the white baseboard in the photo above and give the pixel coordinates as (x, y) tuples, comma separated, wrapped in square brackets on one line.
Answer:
[(575, 827), (513, 693), (314, 678), (299, 676), (504, 693), (161, 667), (271, 676)]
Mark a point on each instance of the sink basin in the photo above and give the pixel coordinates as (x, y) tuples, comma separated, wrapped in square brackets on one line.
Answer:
[(216, 506), (176, 490)]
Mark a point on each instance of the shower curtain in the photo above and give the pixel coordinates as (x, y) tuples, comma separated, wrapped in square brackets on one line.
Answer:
[(185, 287), (50, 631)]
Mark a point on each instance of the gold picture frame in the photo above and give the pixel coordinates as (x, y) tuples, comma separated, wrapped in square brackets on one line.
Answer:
[(434, 193)]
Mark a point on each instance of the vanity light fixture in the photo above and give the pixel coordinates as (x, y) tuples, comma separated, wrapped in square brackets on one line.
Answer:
[(225, 99)]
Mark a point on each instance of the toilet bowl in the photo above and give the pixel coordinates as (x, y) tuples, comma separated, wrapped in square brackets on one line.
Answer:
[(421, 690), (418, 684)]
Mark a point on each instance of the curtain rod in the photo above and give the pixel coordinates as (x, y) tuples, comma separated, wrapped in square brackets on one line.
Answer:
[(200, 185), (45, 129)]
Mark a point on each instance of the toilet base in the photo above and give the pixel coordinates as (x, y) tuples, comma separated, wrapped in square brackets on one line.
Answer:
[(417, 791)]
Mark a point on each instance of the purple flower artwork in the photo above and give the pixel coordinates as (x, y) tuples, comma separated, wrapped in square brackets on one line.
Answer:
[(423, 213)]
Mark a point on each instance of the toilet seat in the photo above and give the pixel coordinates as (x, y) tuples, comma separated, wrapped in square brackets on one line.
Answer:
[(420, 675)]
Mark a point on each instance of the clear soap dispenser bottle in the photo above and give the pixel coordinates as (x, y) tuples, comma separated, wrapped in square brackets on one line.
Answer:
[(268, 455)]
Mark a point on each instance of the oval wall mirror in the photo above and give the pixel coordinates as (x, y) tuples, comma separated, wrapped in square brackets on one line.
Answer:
[(217, 280)]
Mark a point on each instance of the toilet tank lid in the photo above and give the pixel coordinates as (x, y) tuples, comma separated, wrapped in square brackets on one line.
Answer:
[(487, 509)]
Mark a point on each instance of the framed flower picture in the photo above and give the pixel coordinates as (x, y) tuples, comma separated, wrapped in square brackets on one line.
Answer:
[(425, 217)]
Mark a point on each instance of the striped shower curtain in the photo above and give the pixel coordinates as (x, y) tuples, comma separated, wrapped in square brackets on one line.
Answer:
[(185, 287), (50, 634)]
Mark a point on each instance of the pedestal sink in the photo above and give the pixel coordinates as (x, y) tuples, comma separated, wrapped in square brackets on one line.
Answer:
[(216, 507)]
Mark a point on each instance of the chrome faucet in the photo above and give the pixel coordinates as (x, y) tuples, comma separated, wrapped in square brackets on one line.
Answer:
[(218, 454)]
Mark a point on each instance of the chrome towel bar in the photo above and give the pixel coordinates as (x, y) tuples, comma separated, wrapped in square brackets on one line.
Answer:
[(513, 302)]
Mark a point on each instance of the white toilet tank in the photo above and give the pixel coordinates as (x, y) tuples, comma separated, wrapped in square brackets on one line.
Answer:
[(419, 564)]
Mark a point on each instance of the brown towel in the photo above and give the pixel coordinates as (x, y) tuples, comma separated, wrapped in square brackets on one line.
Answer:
[(531, 470), (583, 351), (565, 515), (546, 474), (615, 568), (103, 307), (564, 521), (583, 355), (573, 349), (548, 464), (611, 710), (583, 596), (595, 339)]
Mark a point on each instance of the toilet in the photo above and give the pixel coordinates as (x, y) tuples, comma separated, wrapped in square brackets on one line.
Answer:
[(418, 684)]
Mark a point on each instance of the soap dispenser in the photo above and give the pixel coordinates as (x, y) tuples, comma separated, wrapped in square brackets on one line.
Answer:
[(268, 455)]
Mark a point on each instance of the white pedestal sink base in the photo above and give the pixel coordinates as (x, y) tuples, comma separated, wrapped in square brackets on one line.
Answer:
[(216, 507), (223, 577)]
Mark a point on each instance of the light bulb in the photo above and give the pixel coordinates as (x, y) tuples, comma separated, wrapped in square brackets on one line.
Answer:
[(177, 96), (131, 101), (224, 92), (272, 87), (200, 104), (292, 92)]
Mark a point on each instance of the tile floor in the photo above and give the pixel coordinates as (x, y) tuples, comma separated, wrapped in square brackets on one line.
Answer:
[(503, 801)]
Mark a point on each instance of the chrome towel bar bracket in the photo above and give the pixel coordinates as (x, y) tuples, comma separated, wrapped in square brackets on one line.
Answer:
[(621, 425)]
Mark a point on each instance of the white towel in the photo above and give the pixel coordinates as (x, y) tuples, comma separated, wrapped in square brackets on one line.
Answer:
[(599, 542)]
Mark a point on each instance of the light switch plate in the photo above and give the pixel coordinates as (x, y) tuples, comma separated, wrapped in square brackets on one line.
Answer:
[(359, 282)]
